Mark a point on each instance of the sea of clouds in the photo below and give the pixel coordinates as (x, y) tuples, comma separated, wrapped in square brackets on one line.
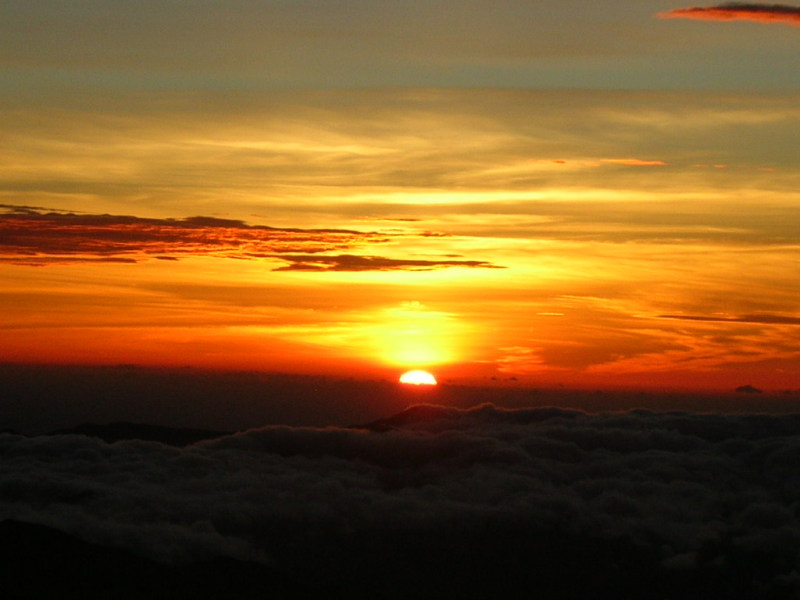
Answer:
[(693, 492)]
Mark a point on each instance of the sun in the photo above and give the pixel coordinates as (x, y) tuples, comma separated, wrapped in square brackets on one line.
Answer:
[(418, 377)]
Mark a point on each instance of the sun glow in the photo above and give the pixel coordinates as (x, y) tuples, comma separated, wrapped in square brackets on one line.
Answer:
[(417, 335), (417, 377)]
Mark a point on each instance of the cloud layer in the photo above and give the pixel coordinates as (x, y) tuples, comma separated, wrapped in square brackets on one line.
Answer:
[(739, 11), (459, 493)]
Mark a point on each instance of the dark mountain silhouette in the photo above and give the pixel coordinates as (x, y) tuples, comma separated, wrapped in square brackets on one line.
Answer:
[(122, 430), (422, 414), (748, 389), (41, 562), (43, 398), (419, 413)]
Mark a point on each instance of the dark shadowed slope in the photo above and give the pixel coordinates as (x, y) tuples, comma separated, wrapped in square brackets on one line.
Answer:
[(41, 562)]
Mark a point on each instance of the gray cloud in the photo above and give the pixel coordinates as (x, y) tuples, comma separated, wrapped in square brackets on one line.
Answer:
[(691, 492)]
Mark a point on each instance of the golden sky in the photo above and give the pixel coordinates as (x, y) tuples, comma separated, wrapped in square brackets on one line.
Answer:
[(551, 193)]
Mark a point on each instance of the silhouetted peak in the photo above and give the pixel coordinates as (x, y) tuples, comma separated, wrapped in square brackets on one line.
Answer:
[(487, 413)]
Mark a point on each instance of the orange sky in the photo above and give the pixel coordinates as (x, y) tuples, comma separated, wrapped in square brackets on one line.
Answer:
[(634, 223)]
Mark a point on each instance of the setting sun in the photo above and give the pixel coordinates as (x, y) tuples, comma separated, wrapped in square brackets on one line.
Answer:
[(418, 377)]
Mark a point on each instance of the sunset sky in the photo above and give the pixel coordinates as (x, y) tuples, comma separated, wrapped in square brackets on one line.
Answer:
[(558, 192)]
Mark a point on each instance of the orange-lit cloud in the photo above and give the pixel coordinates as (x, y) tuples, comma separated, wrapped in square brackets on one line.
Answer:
[(376, 198), (738, 11), (634, 162), (30, 236)]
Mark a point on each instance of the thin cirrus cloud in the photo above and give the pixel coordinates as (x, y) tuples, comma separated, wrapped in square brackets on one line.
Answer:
[(349, 262), (738, 11), (634, 162), (761, 319), (33, 237)]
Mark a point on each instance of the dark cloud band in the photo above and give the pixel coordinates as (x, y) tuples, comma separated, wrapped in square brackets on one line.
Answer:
[(35, 237), (765, 319), (738, 11), (349, 262)]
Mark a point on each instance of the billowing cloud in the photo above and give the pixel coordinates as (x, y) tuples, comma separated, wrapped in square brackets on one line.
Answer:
[(436, 496), (34, 237), (738, 11)]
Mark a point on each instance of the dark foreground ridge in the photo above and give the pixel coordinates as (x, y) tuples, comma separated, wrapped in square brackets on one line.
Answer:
[(41, 562), (510, 562)]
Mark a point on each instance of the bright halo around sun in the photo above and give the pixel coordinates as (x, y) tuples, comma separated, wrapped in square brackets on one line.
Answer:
[(418, 377)]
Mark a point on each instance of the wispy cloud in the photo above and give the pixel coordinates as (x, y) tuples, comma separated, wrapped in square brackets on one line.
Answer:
[(738, 11), (763, 319), (349, 262), (30, 236), (29, 233), (634, 162)]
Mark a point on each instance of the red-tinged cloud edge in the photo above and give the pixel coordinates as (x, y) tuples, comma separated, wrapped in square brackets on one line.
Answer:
[(39, 237), (634, 162), (738, 11)]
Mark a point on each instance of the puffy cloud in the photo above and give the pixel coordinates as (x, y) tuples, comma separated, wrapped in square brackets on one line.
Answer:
[(738, 11), (443, 496)]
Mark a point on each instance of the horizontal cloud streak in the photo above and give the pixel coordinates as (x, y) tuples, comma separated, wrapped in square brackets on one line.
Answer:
[(634, 162), (30, 233), (738, 11), (33, 237), (348, 262), (763, 319)]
